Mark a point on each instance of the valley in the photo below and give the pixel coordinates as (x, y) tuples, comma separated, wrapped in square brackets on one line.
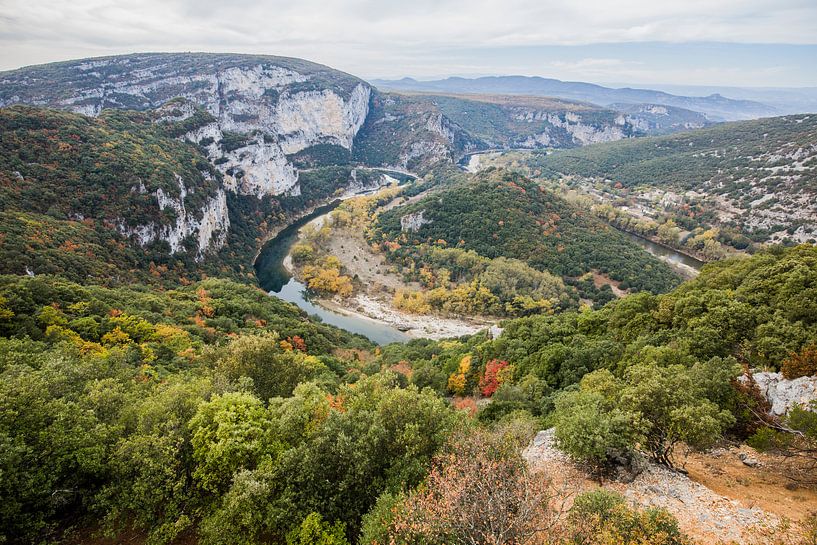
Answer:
[(375, 285), (253, 299)]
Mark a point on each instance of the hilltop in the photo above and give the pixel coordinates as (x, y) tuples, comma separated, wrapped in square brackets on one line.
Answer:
[(505, 215)]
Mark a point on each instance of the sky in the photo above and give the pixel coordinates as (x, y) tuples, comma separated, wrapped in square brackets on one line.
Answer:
[(771, 43)]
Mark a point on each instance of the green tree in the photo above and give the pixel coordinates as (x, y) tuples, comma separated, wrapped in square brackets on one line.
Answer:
[(670, 408), (230, 432), (602, 516), (274, 371), (315, 531), (589, 425)]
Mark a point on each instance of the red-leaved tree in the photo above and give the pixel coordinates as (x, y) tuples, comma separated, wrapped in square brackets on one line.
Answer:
[(493, 377)]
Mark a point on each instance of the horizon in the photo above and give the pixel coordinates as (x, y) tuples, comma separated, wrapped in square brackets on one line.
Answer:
[(656, 85), (762, 43)]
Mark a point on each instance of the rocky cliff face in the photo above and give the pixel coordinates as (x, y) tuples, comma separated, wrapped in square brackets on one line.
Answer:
[(281, 105), (209, 225), (250, 114), (576, 129)]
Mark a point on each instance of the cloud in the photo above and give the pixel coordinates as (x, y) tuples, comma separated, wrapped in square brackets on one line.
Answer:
[(387, 37)]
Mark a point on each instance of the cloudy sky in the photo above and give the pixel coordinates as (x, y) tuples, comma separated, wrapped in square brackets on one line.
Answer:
[(716, 42)]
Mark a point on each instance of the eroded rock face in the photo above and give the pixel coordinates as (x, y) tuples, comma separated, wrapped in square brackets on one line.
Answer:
[(250, 114), (284, 109), (784, 394), (413, 222), (209, 225), (570, 126)]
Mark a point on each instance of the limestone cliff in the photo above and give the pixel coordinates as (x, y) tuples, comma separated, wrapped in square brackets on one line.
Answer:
[(248, 113)]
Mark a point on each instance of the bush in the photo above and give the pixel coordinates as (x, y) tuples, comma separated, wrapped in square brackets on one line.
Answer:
[(801, 364), (591, 429), (602, 516), (314, 531)]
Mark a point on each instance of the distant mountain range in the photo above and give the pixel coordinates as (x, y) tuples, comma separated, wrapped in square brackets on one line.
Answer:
[(788, 100), (715, 106)]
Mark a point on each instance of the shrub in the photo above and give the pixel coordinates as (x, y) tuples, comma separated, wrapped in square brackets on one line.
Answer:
[(602, 516), (801, 364)]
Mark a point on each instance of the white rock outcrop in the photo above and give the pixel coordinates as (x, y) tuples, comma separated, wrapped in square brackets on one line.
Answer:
[(413, 222), (277, 107), (579, 131), (209, 225), (316, 117), (783, 394)]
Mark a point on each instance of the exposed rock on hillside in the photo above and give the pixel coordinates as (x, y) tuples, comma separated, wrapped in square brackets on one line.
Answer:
[(281, 106), (413, 222), (784, 394), (702, 513)]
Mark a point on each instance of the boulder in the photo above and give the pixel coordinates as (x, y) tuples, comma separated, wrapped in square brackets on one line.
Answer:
[(783, 394)]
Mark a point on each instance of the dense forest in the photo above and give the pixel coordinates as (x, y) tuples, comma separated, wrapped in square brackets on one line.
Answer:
[(505, 215), (647, 371), (217, 413)]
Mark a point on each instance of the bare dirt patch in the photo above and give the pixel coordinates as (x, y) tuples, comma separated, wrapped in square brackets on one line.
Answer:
[(359, 262), (707, 506), (765, 486), (600, 280)]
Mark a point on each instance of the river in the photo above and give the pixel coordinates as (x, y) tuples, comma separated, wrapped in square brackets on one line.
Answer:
[(685, 264), (278, 282)]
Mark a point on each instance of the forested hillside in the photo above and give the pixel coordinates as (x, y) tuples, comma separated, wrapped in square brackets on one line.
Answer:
[(118, 197), (417, 130), (151, 393), (759, 176), (215, 414), (654, 370), (500, 214)]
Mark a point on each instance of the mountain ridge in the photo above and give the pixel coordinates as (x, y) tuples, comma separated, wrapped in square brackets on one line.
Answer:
[(717, 107)]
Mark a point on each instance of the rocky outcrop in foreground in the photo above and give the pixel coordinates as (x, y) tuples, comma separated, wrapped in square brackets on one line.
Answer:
[(783, 394)]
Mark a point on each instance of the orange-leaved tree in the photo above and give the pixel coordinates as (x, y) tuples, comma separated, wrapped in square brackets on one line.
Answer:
[(496, 372), (480, 491)]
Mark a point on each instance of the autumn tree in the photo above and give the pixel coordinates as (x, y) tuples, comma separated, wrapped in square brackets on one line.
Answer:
[(496, 372), (603, 517), (801, 364), (458, 380), (480, 491)]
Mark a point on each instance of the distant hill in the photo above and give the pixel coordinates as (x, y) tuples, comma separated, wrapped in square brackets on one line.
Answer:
[(271, 117), (760, 176), (415, 130), (787, 100), (715, 106)]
